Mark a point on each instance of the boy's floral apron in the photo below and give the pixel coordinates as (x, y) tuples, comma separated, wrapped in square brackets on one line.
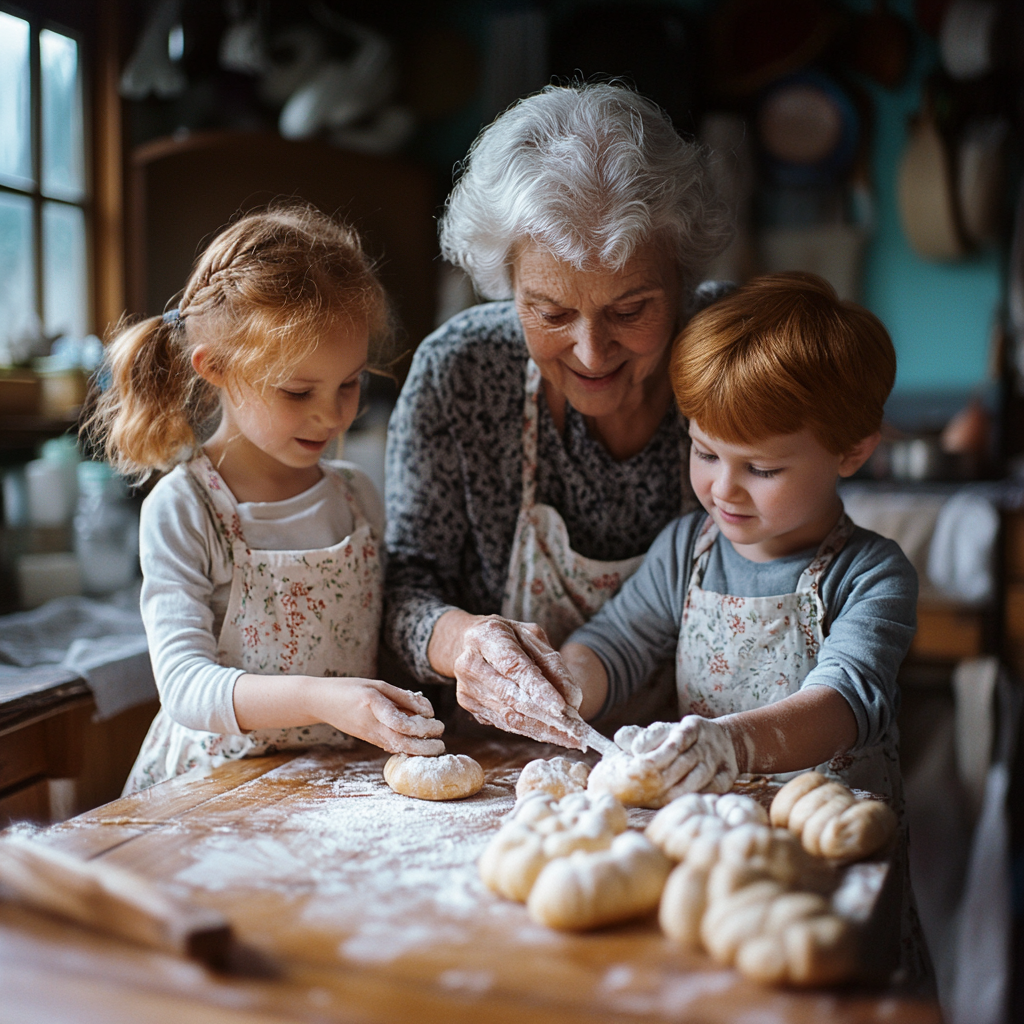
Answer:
[(739, 653), (314, 613), (548, 582)]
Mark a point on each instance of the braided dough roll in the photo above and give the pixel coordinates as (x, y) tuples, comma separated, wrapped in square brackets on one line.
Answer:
[(830, 821), (677, 825), (540, 829), (558, 776), (448, 777), (587, 890)]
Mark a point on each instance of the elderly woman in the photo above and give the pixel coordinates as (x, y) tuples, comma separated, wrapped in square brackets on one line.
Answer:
[(535, 451)]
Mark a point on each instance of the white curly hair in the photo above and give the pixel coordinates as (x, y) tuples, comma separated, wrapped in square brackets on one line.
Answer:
[(591, 172)]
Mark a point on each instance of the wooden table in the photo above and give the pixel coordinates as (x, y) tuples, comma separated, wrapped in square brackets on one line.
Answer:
[(354, 904)]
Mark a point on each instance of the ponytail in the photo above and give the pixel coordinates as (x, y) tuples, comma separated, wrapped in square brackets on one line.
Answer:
[(147, 403)]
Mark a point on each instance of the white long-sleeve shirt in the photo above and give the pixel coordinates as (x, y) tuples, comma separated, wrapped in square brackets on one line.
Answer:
[(186, 581)]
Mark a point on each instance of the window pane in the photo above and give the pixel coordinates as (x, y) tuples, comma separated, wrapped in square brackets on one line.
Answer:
[(17, 273), (64, 270), (15, 102), (63, 158)]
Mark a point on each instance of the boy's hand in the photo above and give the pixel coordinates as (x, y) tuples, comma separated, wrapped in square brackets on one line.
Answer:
[(387, 716), (695, 755)]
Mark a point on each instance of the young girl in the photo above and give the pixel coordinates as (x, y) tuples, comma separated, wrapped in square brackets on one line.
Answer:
[(261, 562)]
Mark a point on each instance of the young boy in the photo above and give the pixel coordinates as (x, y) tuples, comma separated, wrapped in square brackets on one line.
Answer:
[(788, 622)]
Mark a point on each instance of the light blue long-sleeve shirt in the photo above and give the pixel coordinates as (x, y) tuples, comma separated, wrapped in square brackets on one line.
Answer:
[(869, 592)]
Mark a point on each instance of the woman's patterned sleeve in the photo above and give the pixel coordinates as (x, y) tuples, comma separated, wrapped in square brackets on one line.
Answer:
[(426, 516)]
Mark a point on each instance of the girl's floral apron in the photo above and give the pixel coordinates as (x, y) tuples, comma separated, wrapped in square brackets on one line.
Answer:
[(549, 583), (313, 613), (739, 653)]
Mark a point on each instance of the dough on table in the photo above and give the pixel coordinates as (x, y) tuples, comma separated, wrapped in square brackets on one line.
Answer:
[(541, 829), (558, 776), (759, 904), (588, 890), (447, 777), (678, 824), (830, 821)]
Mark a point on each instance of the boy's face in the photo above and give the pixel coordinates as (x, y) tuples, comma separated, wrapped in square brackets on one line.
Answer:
[(774, 497)]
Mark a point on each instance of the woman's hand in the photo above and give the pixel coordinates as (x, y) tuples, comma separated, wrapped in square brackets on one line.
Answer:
[(509, 676)]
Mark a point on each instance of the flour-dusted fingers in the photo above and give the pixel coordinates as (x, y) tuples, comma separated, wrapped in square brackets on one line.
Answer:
[(499, 684), (549, 661), (411, 700), (515, 712), (400, 732)]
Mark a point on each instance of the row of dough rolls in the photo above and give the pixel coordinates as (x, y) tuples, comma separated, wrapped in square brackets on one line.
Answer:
[(749, 887)]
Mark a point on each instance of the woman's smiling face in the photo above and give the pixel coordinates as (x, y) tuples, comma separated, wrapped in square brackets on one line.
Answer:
[(597, 335)]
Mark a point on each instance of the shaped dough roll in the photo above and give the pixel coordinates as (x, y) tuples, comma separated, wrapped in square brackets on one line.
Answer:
[(829, 819), (540, 829), (558, 776), (700, 815), (587, 890)]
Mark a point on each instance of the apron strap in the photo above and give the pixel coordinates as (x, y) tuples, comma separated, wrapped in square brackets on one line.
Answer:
[(221, 504), (531, 432), (830, 547), (702, 551)]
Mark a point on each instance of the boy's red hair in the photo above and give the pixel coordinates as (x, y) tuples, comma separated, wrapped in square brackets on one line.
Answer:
[(780, 354)]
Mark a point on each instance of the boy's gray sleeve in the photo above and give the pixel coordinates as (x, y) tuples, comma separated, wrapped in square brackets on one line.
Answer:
[(872, 596), (638, 628)]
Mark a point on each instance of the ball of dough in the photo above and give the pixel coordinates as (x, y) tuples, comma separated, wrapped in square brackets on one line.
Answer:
[(448, 777), (677, 825), (861, 830), (557, 776), (634, 782)]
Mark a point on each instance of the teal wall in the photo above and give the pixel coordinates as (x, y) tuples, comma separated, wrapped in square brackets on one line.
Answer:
[(940, 315)]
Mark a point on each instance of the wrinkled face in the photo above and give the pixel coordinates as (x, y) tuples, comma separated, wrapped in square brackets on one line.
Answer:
[(294, 420), (772, 498), (597, 335)]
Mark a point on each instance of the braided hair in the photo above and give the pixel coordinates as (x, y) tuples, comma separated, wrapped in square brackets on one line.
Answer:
[(258, 299)]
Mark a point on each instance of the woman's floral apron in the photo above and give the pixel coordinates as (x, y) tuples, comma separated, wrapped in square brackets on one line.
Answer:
[(314, 613), (739, 653), (548, 582)]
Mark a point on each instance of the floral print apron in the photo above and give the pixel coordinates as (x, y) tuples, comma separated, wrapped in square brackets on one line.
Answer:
[(313, 613), (739, 653), (548, 582)]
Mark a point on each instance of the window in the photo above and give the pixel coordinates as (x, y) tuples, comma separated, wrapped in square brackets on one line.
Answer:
[(43, 191)]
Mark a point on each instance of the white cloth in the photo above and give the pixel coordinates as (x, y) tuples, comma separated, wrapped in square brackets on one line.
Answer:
[(961, 558), (187, 574), (310, 612)]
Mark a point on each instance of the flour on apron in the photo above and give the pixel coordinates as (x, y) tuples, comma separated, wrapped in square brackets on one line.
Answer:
[(314, 613), (548, 582)]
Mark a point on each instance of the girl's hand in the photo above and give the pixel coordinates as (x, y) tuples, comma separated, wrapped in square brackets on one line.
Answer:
[(509, 676), (387, 716), (696, 755)]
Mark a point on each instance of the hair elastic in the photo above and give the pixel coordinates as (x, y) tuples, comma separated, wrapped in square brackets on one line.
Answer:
[(172, 316)]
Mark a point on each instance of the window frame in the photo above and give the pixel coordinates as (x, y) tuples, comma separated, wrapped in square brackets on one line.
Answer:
[(37, 23)]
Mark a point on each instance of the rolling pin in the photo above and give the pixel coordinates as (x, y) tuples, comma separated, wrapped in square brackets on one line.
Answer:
[(110, 899)]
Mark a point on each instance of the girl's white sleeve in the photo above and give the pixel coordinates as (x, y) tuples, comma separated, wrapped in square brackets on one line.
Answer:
[(183, 563)]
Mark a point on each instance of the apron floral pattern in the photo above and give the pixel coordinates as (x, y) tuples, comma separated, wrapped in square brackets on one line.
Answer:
[(313, 612), (739, 653)]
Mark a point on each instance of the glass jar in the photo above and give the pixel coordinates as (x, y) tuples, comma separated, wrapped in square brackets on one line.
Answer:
[(106, 530)]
